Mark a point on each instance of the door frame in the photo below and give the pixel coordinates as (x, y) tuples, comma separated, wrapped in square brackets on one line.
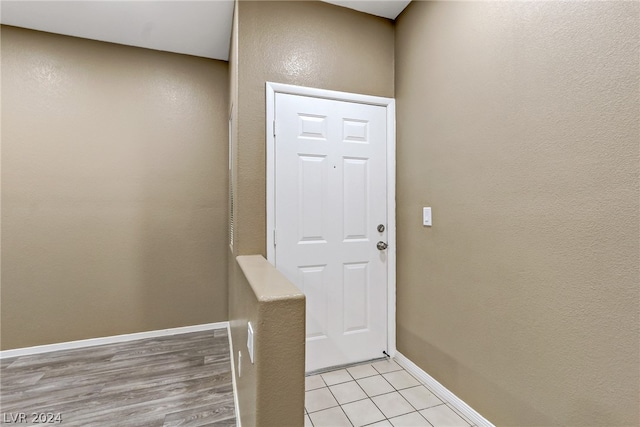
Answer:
[(390, 105)]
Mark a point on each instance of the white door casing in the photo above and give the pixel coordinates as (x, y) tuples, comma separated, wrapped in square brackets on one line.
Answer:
[(330, 161)]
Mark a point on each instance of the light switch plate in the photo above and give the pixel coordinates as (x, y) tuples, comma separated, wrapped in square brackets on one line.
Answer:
[(426, 217)]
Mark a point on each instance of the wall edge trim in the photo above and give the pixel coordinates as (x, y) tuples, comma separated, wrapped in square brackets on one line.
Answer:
[(92, 342), (233, 378), (441, 391)]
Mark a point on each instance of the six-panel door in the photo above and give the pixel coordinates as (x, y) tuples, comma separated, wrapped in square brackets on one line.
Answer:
[(331, 195)]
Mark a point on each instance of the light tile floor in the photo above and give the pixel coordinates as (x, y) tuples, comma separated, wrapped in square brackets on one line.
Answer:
[(375, 394)]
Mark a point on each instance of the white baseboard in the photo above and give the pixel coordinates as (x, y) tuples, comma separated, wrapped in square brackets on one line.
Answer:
[(91, 342), (441, 391)]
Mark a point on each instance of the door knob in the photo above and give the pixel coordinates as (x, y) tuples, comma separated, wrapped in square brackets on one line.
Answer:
[(382, 245)]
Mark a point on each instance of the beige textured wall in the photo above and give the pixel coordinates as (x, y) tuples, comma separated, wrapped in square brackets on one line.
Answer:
[(271, 390), (518, 124), (243, 308), (310, 44), (305, 43), (114, 189)]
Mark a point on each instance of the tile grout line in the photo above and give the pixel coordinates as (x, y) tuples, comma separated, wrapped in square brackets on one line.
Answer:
[(334, 396), (371, 397), (366, 394), (464, 418), (395, 390), (444, 402), (400, 394)]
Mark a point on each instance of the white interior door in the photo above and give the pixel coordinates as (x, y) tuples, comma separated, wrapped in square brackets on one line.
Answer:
[(330, 202)]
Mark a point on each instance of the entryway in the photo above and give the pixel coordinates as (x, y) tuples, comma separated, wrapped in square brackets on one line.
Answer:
[(330, 217)]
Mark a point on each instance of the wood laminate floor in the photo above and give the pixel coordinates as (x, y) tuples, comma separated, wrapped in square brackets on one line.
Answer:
[(178, 380)]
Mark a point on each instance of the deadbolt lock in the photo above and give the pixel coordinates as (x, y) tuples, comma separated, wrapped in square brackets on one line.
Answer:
[(381, 228)]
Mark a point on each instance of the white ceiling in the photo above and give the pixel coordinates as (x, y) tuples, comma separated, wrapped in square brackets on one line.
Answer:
[(200, 28), (385, 8)]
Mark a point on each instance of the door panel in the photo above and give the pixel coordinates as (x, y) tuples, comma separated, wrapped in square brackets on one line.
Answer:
[(331, 194), (313, 282), (312, 196), (356, 314), (355, 190)]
